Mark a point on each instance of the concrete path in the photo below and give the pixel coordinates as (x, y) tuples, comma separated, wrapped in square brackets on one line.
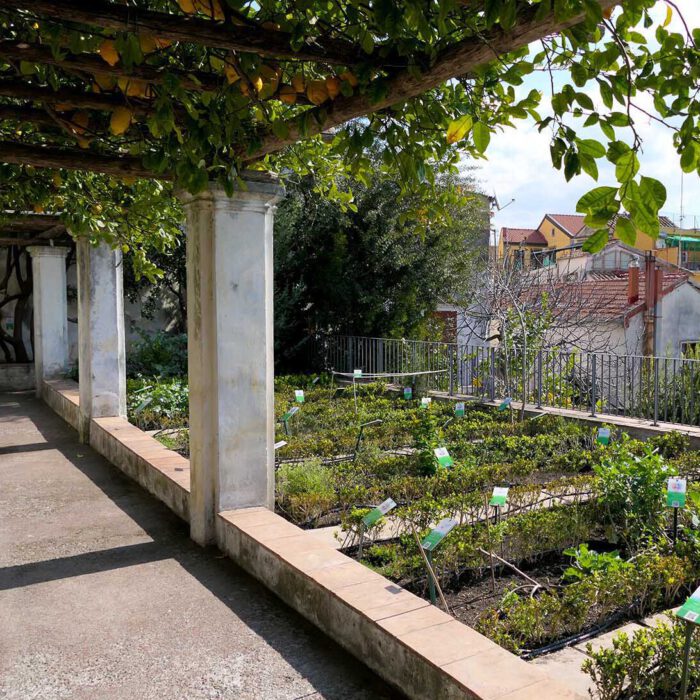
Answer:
[(103, 595)]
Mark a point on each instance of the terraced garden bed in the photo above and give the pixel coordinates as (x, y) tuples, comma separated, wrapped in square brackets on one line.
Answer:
[(582, 543)]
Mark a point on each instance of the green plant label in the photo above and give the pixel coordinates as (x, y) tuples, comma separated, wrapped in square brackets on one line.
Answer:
[(438, 534), (675, 496), (290, 413), (279, 444), (499, 496), (425, 402), (459, 410), (407, 392), (143, 404), (603, 436), (299, 395), (690, 610), (357, 374), (378, 512), (443, 457), (505, 403)]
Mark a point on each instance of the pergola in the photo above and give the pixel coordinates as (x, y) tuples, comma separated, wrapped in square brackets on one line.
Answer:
[(229, 237)]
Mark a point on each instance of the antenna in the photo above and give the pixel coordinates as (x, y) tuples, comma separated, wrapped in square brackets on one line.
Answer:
[(498, 206)]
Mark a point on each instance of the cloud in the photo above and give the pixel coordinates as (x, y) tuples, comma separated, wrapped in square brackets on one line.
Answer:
[(519, 164)]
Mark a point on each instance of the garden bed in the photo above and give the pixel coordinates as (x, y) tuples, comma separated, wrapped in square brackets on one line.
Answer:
[(565, 489)]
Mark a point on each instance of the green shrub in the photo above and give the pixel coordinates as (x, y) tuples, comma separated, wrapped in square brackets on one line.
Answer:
[(158, 404), (160, 355), (305, 490), (631, 493), (646, 666)]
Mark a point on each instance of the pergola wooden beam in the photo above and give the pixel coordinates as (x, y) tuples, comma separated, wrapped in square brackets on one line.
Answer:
[(458, 60), (194, 30), (28, 223), (27, 114), (74, 99), (75, 159), (89, 63)]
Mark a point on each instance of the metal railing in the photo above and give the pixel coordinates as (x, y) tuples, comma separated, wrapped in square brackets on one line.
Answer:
[(652, 388)]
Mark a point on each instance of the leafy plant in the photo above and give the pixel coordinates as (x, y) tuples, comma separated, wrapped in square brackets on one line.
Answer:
[(631, 493), (159, 355), (587, 561)]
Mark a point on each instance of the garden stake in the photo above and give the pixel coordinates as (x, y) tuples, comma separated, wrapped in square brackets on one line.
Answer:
[(686, 658), (675, 526), (488, 539), (431, 573), (362, 536), (431, 583), (515, 568), (378, 421)]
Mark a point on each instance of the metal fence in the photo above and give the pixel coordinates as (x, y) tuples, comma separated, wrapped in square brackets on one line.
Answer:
[(651, 388)]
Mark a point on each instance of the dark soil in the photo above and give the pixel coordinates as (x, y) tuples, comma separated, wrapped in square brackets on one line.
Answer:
[(475, 592)]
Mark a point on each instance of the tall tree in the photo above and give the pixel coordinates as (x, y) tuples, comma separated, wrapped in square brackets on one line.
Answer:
[(371, 269)]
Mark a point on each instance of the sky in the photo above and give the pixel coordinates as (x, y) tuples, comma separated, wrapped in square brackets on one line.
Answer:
[(519, 168)]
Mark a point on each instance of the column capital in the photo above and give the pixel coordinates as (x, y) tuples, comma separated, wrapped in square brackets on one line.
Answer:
[(48, 251), (262, 189)]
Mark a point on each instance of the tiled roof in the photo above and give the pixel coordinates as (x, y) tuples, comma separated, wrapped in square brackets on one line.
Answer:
[(586, 231), (571, 223), (522, 235), (602, 294)]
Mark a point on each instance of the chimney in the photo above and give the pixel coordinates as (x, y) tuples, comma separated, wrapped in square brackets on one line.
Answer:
[(633, 281)]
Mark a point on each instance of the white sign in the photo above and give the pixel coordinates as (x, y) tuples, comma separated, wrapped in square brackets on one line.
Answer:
[(299, 395), (425, 401), (357, 373), (386, 506), (279, 444), (677, 485)]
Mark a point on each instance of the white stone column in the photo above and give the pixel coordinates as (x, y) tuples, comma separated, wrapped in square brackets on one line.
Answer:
[(101, 352), (50, 306), (230, 349)]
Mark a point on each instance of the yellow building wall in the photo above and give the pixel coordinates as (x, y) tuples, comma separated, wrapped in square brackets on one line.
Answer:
[(555, 236)]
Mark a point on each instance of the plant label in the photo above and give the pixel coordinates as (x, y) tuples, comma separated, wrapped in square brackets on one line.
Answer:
[(505, 403), (299, 395), (279, 444), (675, 496), (290, 413), (315, 381), (459, 410), (143, 404), (603, 436), (438, 534), (499, 496), (443, 457), (357, 374), (407, 393), (425, 402), (378, 512), (690, 610)]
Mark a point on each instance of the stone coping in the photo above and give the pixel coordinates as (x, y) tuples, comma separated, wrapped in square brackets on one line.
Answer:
[(413, 645)]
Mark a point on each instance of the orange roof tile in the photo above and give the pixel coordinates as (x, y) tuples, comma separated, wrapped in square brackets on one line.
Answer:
[(522, 235), (571, 223)]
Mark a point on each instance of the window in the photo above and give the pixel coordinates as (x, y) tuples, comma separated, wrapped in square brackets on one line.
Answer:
[(552, 231)]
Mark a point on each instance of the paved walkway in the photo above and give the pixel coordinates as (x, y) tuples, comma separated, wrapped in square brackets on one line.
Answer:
[(103, 595)]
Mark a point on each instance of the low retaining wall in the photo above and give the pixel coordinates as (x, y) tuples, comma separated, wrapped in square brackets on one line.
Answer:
[(17, 376), (63, 396), (411, 644), (162, 472)]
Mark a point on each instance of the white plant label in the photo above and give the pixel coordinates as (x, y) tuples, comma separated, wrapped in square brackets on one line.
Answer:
[(279, 444)]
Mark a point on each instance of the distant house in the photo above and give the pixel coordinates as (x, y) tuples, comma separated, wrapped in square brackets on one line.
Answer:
[(560, 235), (618, 300)]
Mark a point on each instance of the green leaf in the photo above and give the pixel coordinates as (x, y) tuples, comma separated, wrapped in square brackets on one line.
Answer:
[(626, 166), (482, 136), (591, 147), (596, 199), (689, 157), (625, 231), (596, 241), (459, 128)]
